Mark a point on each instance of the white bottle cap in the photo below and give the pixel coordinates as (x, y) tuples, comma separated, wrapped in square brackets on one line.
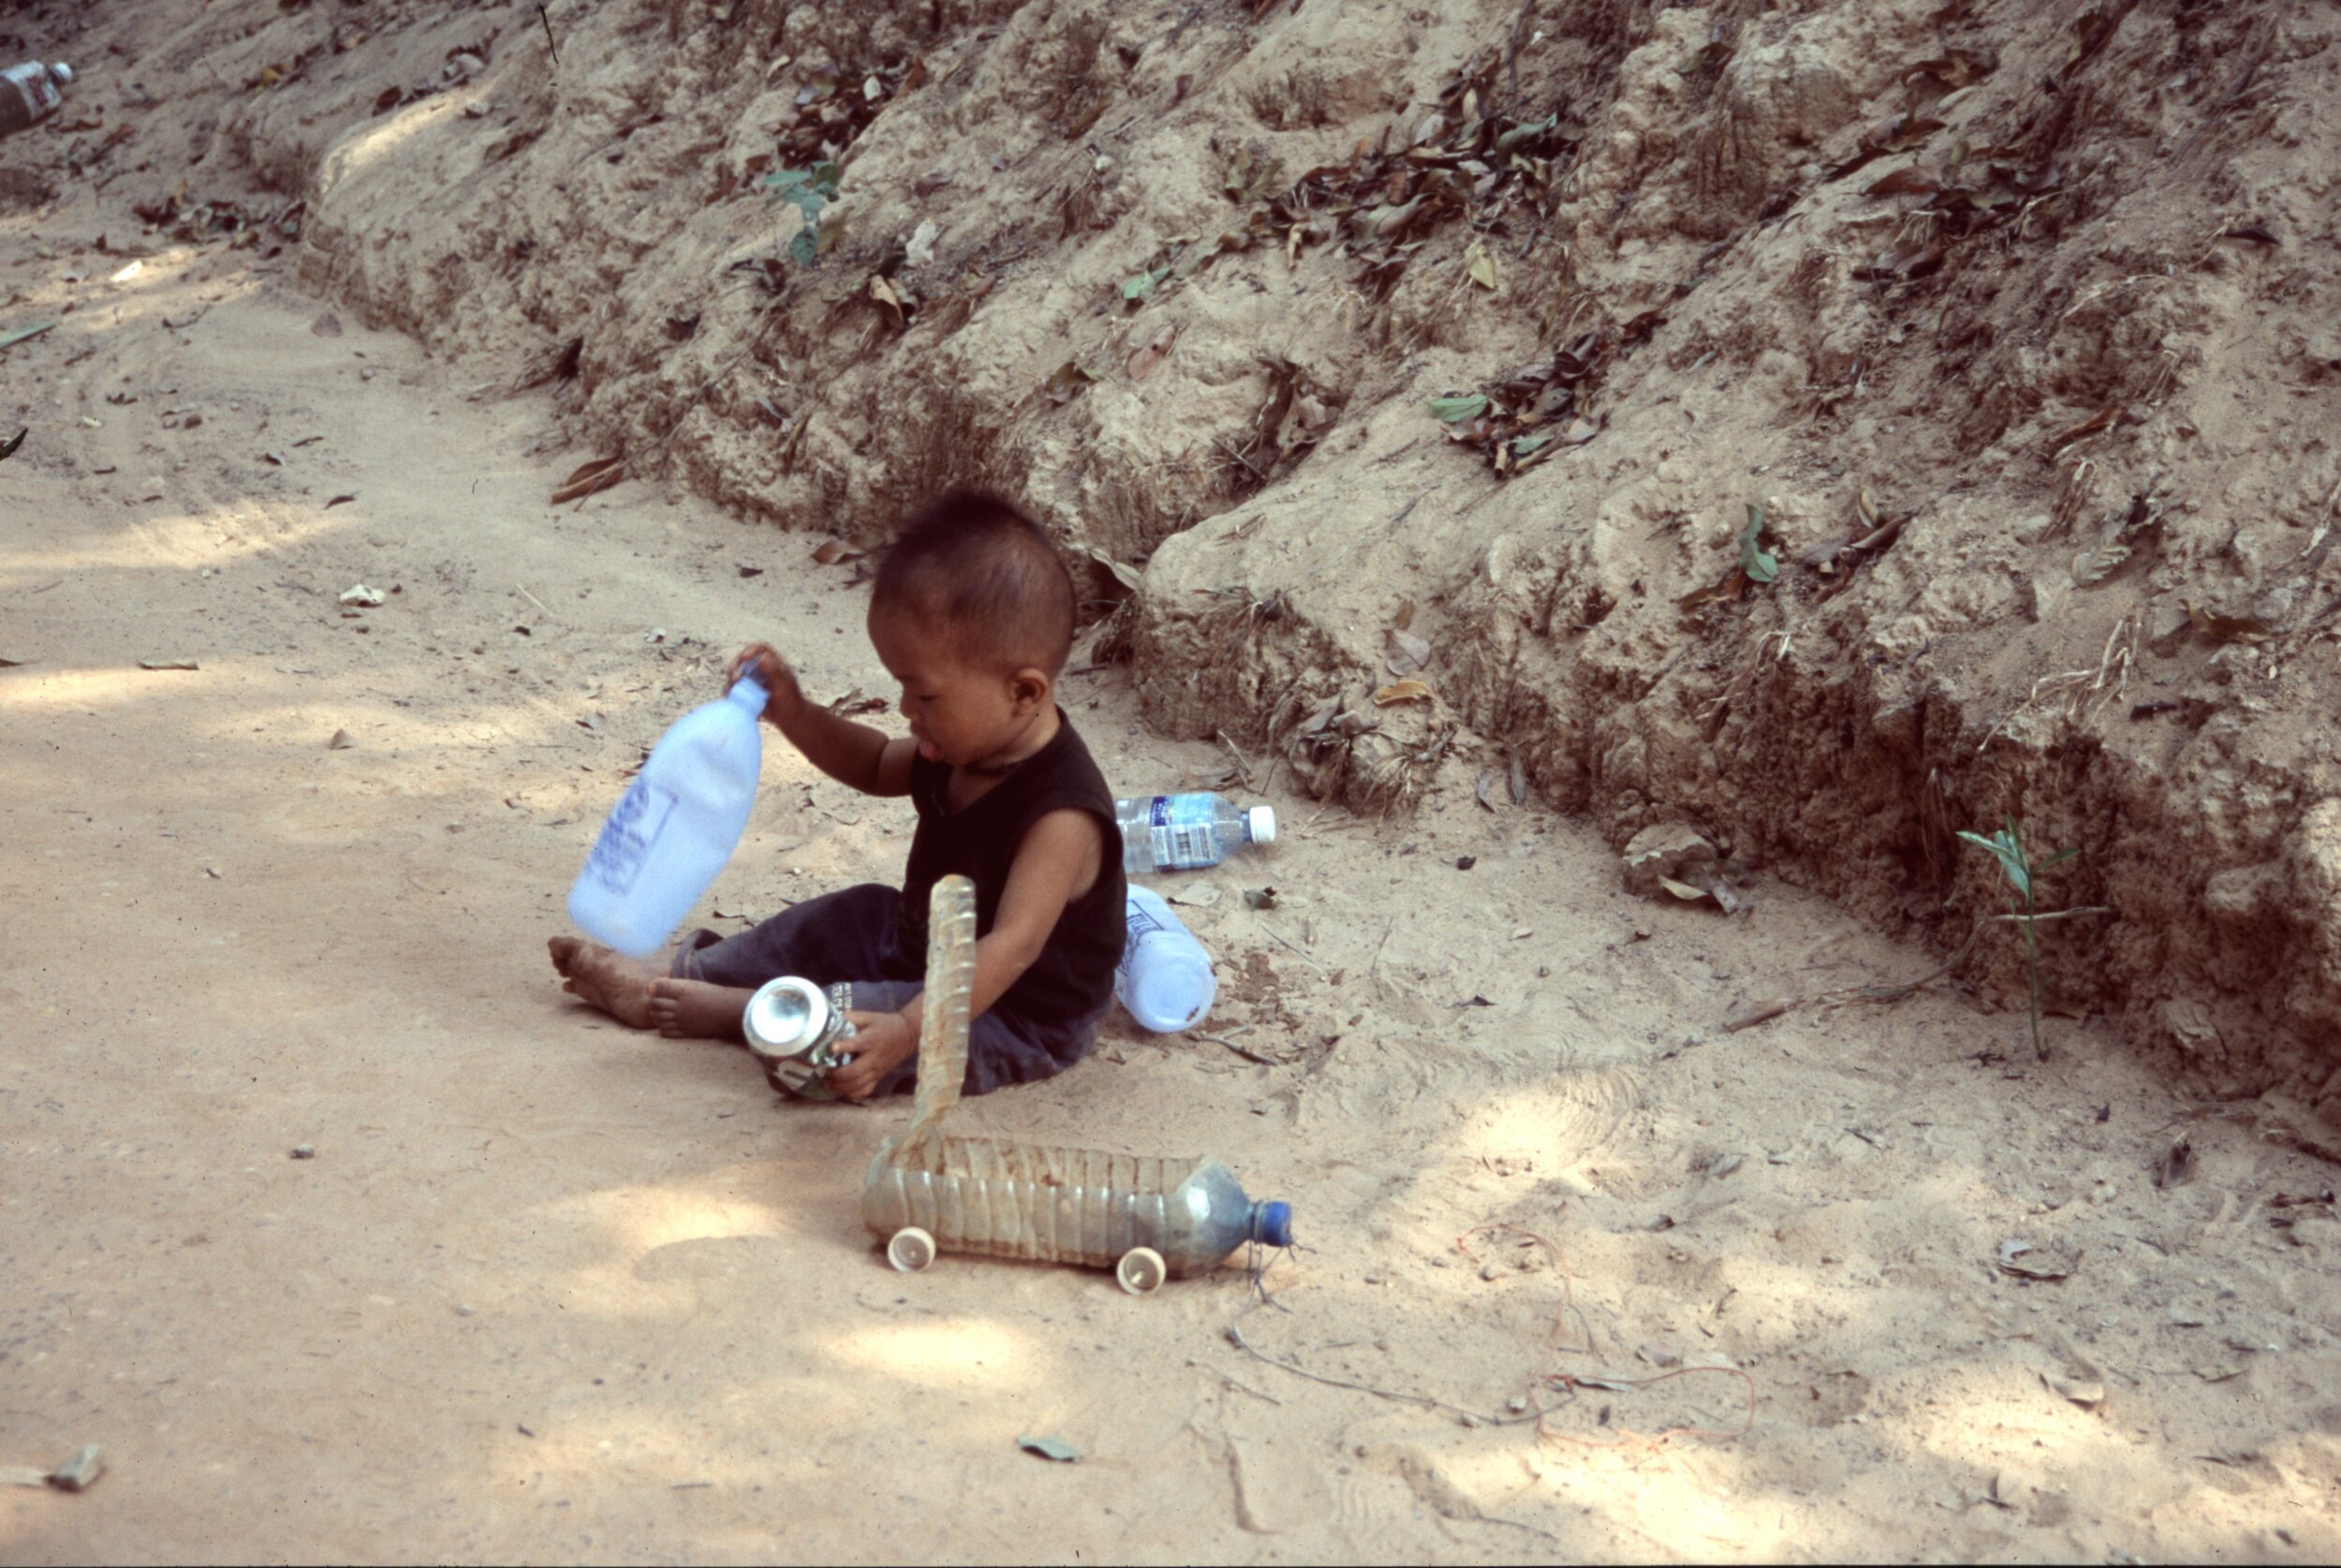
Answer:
[(63, 72), (1261, 822)]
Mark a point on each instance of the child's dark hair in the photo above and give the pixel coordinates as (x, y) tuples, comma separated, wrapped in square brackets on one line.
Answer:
[(975, 565)]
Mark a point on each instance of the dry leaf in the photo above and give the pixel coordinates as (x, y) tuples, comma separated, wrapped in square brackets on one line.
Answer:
[(167, 663), (1125, 574), (1407, 651), (359, 594), (2226, 628), (2092, 565), (1402, 691), (340, 741), (589, 478), (2176, 1167), (341, 500), (326, 326), (883, 292), (831, 552), (1066, 382), (1143, 363), (1480, 265), (2088, 426), (1726, 592), (1906, 182), (2027, 1262)]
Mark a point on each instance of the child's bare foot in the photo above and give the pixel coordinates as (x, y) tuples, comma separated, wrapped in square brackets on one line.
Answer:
[(696, 1010), (618, 985)]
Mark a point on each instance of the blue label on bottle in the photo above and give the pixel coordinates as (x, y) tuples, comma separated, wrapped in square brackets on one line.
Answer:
[(1141, 923), (629, 835)]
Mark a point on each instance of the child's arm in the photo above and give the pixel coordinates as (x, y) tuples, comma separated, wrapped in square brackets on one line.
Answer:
[(1057, 861), (870, 761)]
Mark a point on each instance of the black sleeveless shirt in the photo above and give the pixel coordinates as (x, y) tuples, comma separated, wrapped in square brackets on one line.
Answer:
[(1073, 976)]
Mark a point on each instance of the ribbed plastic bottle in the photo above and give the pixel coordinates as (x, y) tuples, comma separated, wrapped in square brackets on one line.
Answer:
[(1165, 978), (1020, 1200), (1186, 833), (30, 93), (1146, 1219), (675, 827)]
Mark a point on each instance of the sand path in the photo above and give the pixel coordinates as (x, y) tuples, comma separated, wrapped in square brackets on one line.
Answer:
[(551, 1290)]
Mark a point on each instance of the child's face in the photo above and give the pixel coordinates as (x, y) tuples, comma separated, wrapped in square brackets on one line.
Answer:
[(960, 713)]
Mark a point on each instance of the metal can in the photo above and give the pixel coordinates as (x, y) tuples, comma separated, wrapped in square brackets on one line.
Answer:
[(794, 1028)]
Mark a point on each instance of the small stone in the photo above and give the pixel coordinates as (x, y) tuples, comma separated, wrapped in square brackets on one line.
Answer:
[(79, 1472), (463, 1312), (305, 1151)]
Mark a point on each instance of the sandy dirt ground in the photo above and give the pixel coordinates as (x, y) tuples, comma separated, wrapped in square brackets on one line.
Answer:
[(553, 1290)]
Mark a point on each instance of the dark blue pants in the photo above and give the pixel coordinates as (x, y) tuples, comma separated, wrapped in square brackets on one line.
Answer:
[(855, 937)]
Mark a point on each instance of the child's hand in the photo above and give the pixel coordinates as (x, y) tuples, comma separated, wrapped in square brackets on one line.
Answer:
[(772, 673), (883, 1042)]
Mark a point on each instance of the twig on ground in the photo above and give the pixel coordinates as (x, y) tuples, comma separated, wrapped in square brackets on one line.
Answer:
[(1252, 1056), (1244, 764), (1304, 953)]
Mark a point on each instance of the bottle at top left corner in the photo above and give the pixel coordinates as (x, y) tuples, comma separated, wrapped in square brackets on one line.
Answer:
[(30, 93), (675, 827)]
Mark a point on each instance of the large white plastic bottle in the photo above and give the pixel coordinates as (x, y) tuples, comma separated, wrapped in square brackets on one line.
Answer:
[(1165, 978), (675, 829)]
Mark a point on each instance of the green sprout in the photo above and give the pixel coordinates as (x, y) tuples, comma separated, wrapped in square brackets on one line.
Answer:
[(2007, 847), (808, 190)]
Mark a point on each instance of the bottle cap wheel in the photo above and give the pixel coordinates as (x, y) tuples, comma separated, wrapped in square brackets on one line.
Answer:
[(910, 1249), (63, 72), (1263, 821), (1271, 1224), (1141, 1271)]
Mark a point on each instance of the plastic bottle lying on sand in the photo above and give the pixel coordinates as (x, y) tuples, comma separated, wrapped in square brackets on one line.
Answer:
[(1023, 1200), (673, 830), (1186, 833), (1146, 1219), (30, 93), (1165, 978)]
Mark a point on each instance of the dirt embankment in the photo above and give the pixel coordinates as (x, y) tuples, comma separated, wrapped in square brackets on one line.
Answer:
[(2016, 322)]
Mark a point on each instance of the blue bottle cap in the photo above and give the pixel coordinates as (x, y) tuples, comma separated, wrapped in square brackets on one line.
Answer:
[(1271, 1224)]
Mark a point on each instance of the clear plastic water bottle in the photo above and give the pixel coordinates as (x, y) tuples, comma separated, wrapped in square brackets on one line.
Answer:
[(1023, 1200), (30, 93), (672, 832), (1146, 1219), (1187, 832), (1165, 978)]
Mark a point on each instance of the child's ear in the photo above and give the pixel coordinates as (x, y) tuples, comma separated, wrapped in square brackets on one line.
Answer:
[(1028, 689)]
